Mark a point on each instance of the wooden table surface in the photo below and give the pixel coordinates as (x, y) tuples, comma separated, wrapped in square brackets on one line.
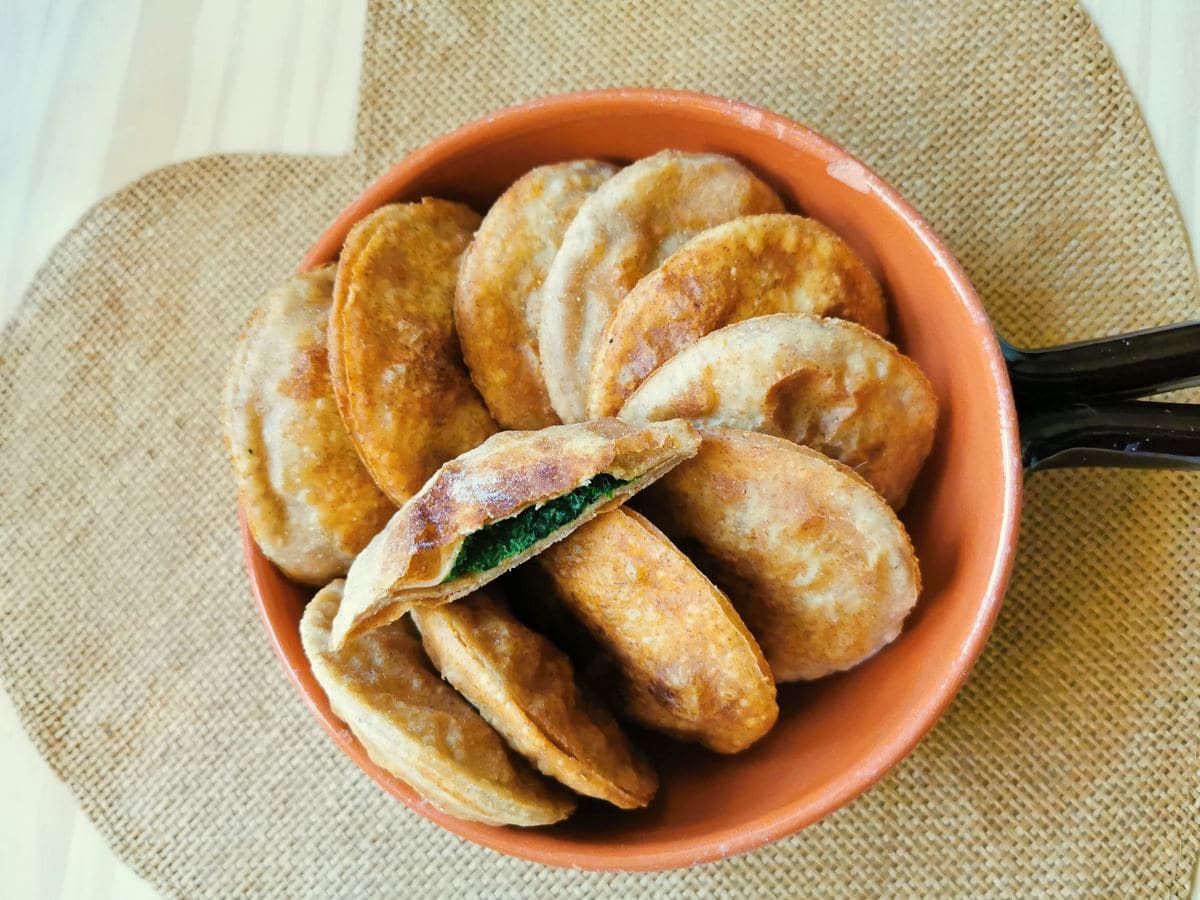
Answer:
[(105, 92)]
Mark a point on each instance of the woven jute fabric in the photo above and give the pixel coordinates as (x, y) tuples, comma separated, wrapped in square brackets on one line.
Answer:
[(1067, 765)]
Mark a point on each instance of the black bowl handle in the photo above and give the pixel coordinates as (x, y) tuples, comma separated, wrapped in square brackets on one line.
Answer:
[(1130, 434), (1073, 407), (1113, 368)]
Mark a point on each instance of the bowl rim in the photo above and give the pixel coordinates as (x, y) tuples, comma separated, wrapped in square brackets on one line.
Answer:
[(885, 756)]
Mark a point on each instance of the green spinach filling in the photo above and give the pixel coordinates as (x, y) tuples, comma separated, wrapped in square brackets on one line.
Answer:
[(493, 544)]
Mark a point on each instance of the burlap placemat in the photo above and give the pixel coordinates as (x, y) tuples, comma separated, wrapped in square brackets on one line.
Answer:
[(129, 644)]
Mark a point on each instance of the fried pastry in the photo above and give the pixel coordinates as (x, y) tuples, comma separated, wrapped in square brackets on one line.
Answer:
[(633, 222), (752, 266), (496, 303), (310, 503), (419, 729), (830, 385), (494, 507), (677, 654), (401, 387), (814, 560), (525, 688)]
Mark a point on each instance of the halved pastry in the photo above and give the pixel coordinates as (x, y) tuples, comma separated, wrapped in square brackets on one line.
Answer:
[(499, 504), (398, 375), (525, 688), (830, 385), (814, 560), (497, 301), (674, 649), (752, 266), (310, 503), (419, 729), (625, 229)]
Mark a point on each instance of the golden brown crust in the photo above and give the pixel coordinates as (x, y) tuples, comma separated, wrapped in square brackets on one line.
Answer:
[(525, 688), (815, 561), (408, 562), (401, 387), (683, 660), (417, 727), (631, 224), (310, 503), (830, 385), (496, 303), (752, 266)]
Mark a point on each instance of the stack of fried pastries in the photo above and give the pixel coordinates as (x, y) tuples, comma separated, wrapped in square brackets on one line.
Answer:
[(625, 452)]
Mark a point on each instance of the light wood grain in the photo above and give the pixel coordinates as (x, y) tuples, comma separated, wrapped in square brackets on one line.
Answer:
[(105, 92)]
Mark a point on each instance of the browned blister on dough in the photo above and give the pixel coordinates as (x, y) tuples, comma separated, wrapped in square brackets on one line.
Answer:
[(633, 222), (401, 386), (525, 687), (415, 726), (681, 659), (830, 385), (411, 561), (813, 559), (752, 266), (310, 503), (497, 301)]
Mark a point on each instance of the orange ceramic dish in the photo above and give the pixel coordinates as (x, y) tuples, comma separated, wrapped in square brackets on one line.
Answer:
[(837, 736)]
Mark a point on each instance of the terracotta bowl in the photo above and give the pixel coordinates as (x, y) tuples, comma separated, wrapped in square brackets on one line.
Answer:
[(838, 736)]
